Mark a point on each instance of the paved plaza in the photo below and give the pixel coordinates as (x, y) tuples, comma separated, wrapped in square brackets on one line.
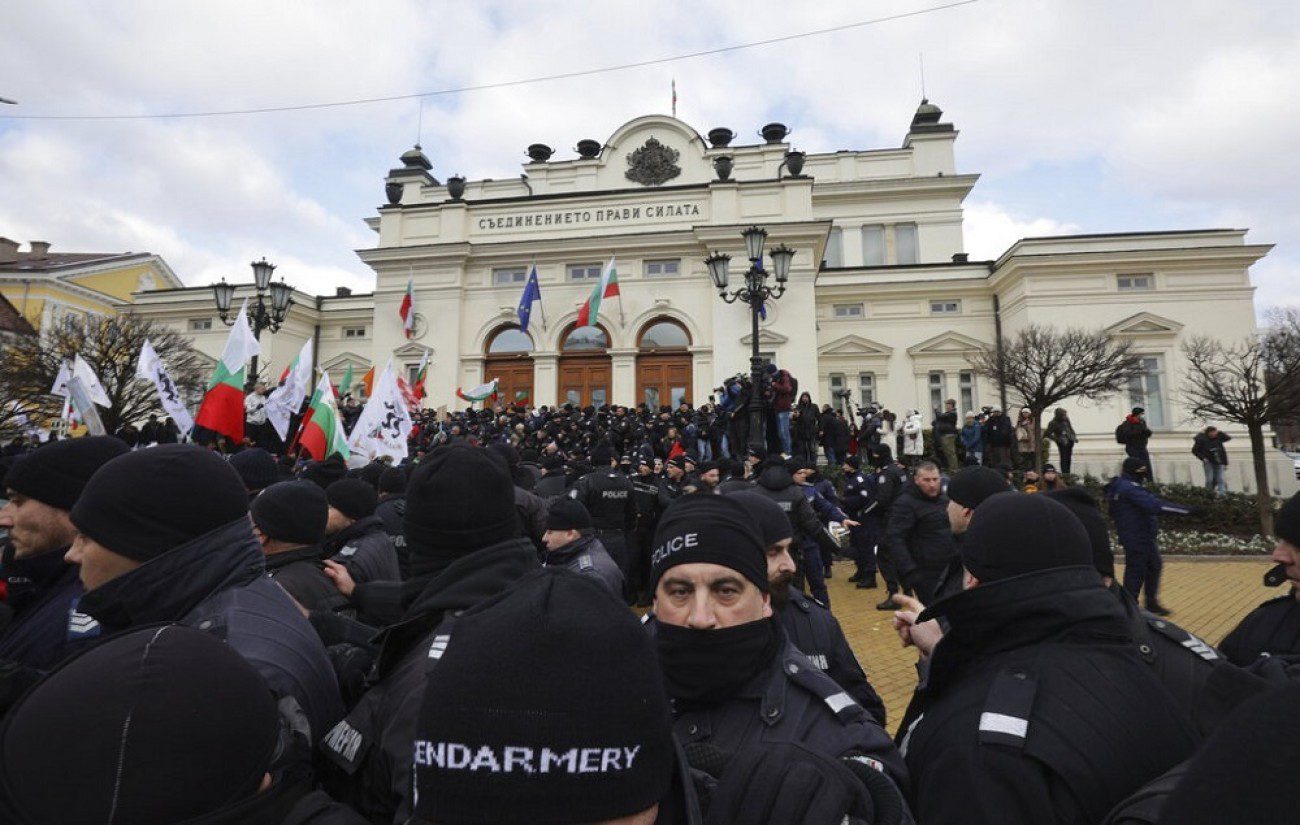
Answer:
[(1207, 597)]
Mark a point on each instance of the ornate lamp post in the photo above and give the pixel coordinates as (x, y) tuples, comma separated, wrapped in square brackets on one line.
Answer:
[(755, 292), (260, 316)]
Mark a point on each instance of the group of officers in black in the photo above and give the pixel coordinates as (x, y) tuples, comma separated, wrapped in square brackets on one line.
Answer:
[(191, 639)]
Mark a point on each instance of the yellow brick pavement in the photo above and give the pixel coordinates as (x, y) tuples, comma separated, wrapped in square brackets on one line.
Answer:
[(1208, 598)]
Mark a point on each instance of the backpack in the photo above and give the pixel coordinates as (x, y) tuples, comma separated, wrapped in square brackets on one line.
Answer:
[(1122, 433)]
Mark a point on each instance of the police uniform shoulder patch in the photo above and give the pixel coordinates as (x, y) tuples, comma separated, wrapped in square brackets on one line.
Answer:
[(345, 746), (81, 625), (585, 563), (1005, 719), (806, 675), (1188, 640), (348, 552)]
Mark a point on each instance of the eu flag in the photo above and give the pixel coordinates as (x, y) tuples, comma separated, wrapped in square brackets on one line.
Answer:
[(532, 292)]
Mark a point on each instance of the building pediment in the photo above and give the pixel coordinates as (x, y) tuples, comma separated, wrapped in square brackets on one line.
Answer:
[(946, 343), (343, 360), (1145, 324), (766, 338), (412, 350), (855, 345)]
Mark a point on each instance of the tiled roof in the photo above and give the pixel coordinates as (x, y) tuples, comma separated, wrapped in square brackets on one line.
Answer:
[(13, 321), (56, 261)]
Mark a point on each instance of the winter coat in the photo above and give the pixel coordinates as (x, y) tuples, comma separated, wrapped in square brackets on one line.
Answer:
[(918, 535), (392, 512), (972, 438), (1024, 436), (945, 424), (1272, 629), (913, 440), (1135, 511), (364, 549), (299, 573), (1060, 431), (588, 557), (998, 431), (217, 583), (1211, 450), (782, 391), (532, 510), (816, 633), (775, 483), (41, 591)]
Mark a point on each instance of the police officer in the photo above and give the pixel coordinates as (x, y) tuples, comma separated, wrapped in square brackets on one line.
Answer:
[(1136, 511), (1273, 628), (645, 499), (1037, 706), (356, 536), (888, 481), (733, 676), (808, 623), (289, 522), (859, 495), (391, 510), (776, 483), (918, 536), (607, 495), (570, 545), (670, 483)]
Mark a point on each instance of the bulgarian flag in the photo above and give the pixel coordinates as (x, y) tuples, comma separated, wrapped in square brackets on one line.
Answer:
[(222, 409), (407, 309), (480, 393), (421, 372), (607, 288), (322, 430)]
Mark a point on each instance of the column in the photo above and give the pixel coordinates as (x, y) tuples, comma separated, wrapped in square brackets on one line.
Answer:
[(622, 376), (546, 378)]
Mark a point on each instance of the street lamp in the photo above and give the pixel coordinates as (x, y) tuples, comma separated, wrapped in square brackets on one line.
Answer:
[(755, 292), (260, 316)]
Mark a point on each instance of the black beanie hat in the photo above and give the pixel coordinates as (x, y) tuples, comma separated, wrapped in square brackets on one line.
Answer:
[(488, 752), (970, 486), (352, 497), (1132, 464), (1012, 533), (1286, 525), (766, 515), (601, 454), (116, 734), (1086, 510), (292, 511), (459, 500), (1245, 771), (712, 529), (371, 472), (506, 451), (144, 503), (325, 472), (57, 473), (256, 467), (678, 461), (392, 480), (567, 514)]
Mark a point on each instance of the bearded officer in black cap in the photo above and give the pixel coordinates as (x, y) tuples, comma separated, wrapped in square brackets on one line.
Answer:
[(1273, 628), (1037, 705), (607, 495), (734, 677)]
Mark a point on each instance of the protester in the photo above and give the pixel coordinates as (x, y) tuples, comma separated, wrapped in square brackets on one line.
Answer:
[(1060, 431), (918, 536), (1208, 447), (945, 435), (1134, 434)]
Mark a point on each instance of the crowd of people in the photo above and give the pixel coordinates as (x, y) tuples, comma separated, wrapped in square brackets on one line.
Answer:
[(618, 616)]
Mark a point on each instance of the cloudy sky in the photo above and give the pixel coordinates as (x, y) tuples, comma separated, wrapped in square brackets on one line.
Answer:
[(1080, 117)]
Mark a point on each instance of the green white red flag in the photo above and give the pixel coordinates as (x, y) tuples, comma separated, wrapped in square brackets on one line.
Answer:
[(222, 410), (322, 429), (589, 314), (480, 393), (407, 309), (286, 399)]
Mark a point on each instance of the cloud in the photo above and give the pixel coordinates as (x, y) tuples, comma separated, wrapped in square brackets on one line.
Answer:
[(989, 229)]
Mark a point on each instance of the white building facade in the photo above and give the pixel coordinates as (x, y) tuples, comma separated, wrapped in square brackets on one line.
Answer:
[(881, 299)]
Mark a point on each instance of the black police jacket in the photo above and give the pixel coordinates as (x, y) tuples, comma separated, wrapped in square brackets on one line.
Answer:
[(1272, 629), (392, 512), (364, 549), (1037, 706), (217, 583), (588, 557), (791, 700), (776, 484), (369, 753), (817, 634), (918, 535), (41, 591), (607, 495), (300, 573)]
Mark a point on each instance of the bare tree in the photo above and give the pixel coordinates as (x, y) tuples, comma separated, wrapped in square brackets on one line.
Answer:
[(1250, 382), (1043, 366), (111, 346)]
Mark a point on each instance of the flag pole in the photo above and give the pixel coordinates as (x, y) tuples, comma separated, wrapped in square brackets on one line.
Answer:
[(532, 269)]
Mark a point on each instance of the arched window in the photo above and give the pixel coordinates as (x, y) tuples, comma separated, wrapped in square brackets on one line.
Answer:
[(664, 334), (585, 338), (508, 340)]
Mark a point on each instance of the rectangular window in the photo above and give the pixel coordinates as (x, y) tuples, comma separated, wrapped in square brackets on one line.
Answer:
[(1135, 283), (968, 399), (873, 245), (200, 324), (354, 332), (848, 311), (938, 390), (663, 269), (866, 389), (584, 272), (597, 397), (678, 395), (834, 249), (506, 277), (1147, 391), (837, 390), (945, 307), (906, 248)]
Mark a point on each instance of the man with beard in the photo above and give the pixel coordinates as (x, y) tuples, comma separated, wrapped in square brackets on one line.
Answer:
[(569, 545), (731, 672)]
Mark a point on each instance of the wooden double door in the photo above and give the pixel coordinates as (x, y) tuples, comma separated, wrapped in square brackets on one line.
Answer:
[(516, 375), (663, 379), (585, 380)]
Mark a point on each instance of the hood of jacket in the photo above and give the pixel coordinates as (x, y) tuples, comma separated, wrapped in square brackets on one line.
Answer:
[(471, 579), (168, 587), (312, 553), (571, 551), (775, 478)]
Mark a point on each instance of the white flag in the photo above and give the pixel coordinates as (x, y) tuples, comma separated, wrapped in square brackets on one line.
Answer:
[(384, 424), (241, 345), (61, 381), (82, 370), (287, 399), (151, 368)]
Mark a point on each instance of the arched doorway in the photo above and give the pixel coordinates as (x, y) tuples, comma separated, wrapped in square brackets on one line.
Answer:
[(509, 358), (663, 364), (585, 367)]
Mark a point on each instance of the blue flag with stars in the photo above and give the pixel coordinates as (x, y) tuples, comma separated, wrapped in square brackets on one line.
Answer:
[(532, 292)]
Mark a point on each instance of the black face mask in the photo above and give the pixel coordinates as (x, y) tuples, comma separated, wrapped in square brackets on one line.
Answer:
[(708, 666)]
